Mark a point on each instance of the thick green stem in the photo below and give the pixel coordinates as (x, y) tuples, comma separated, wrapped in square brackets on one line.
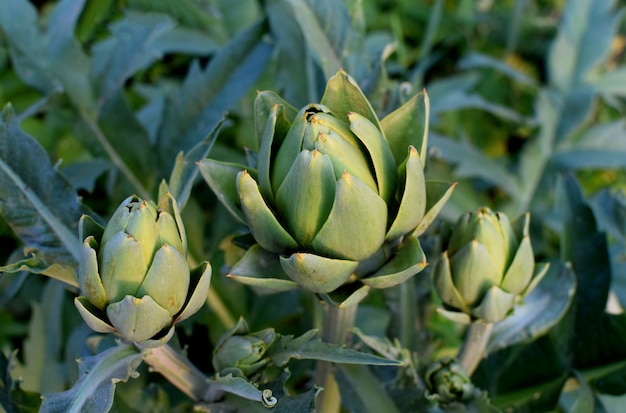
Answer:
[(473, 348), (337, 322), (178, 370)]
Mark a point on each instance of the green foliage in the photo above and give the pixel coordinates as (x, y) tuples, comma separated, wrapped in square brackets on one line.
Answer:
[(524, 110)]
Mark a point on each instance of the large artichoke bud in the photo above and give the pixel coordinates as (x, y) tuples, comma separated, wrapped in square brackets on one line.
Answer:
[(489, 265), (335, 195), (134, 276)]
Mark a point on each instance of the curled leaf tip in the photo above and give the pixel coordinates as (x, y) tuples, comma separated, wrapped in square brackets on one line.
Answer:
[(268, 399)]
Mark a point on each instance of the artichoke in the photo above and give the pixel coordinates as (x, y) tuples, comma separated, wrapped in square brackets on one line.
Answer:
[(334, 196), (133, 275), (447, 381), (488, 266), (240, 352)]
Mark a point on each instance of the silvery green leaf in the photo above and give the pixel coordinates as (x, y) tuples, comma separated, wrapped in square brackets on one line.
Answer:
[(307, 346), (538, 312), (94, 391)]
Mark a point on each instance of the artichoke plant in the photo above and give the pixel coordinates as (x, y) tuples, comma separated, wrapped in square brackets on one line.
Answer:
[(334, 196), (488, 266), (133, 275)]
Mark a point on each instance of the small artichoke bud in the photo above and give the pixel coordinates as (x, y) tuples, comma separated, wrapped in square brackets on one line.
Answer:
[(134, 277), (240, 352), (447, 381), (489, 266), (336, 196)]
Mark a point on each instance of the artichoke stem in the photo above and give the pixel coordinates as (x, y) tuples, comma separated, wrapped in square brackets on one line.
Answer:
[(336, 323), (178, 370), (473, 348)]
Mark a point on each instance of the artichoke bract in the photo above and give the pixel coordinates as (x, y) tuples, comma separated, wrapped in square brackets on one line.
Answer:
[(133, 275), (487, 268), (334, 196)]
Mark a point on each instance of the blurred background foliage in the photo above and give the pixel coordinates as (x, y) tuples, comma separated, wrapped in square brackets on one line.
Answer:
[(522, 92)]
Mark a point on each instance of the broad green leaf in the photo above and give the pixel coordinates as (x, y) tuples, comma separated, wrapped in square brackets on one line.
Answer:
[(612, 83), (476, 59), (367, 388), (94, 390), (540, 310), (42, 370), (187, 12), (472, 163), (524, 376), (26, 45), (186, 169), (578, 400), (12, 398), (308, 347), (296, 74), (34, 264), (602, 146), (132, 46), (129, 145), (35, 200), (240, 387), (455, 92), (599, 336), (66, 58), (318, 40), (582, 42), (192, 111)]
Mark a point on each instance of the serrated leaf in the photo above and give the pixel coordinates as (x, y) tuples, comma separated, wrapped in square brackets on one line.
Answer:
[(455, 92), (300, 403), (42, 370), (582, 42), (239, 387), (187, 12), (540, 311), (66, 58), (18, 23), (130, 143), (34, 264), (12, 398), (308, 347), (94, 390), (192, 111), (318, 39), (35, 200), (472, 163), (601, 146), (476, 59), (132, 46)]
